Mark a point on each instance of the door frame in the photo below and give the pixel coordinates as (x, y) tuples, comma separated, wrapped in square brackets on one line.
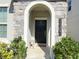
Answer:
[(41, 18)]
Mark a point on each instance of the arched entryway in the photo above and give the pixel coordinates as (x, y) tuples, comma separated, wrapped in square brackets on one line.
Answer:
[(39, 23)]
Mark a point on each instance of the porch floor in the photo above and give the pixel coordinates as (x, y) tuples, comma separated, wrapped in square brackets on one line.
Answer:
[(37, 52)]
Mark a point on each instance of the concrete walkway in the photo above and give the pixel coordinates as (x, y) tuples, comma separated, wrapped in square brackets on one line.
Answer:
[(37, 53)]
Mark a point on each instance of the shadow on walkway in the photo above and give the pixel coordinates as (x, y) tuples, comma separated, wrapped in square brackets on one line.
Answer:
[(46, 50)]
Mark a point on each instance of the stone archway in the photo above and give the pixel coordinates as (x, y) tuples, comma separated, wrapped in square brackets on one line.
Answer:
[(26, 21), (51, 40)]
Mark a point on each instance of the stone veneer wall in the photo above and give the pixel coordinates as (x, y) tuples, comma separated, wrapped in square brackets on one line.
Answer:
[(18, 16)]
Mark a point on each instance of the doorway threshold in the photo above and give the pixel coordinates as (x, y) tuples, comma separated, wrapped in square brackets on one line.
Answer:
[(42, 44)]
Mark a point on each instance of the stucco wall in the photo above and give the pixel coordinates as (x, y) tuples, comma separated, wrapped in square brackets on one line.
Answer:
[(73, 20)]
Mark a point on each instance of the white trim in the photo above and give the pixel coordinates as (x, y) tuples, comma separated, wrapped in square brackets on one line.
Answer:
[(5, 5), (3, 22), (40, 18)]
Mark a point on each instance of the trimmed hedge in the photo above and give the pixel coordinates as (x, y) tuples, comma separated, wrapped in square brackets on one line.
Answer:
[(66, 49)]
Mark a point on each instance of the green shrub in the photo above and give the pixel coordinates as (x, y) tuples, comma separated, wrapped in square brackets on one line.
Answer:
[(5, 52), (59, 56), (18, 45), (67, 49)]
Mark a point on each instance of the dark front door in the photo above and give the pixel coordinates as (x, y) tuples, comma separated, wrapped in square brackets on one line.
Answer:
[(40, 31)]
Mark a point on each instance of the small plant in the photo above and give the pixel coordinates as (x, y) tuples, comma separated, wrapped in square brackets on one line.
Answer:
[(66, 49), (5, 53), (18, 45)]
